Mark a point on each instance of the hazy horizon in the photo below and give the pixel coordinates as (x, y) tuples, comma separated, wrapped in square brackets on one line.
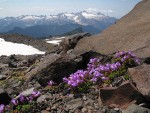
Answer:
[(113, 8)]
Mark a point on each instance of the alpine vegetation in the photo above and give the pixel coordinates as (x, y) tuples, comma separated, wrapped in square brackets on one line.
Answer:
[(97, 73)]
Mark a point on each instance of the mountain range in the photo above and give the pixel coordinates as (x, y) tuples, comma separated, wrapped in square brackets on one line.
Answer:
[(42, 26)]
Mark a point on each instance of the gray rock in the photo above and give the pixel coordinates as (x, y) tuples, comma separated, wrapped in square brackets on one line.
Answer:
[(89, 102), (116, 109), (90, 107), (141, 76), (70, 42), (2, 77), (42, 98), (44, 111), (27, 92), (54, 67), (74, 104), (136, 109), (71, 95), (96, 106), (84, 110)]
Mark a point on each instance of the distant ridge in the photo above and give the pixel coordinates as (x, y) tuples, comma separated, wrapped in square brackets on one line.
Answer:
[(40, 26)]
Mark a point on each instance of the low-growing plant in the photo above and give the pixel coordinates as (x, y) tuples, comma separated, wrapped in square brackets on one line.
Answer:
[(96, 73), (22, 103)]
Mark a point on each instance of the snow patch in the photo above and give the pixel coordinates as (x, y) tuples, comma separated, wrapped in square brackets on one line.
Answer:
[(55, 42), (9, 48)]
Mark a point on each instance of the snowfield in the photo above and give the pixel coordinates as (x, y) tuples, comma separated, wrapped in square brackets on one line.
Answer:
[(9, 48)]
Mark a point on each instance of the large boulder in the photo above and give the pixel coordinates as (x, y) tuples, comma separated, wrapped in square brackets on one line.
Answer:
[(136, 109), (54, 67), (132, 32), (141, 76), (121, 96), (71, 41)]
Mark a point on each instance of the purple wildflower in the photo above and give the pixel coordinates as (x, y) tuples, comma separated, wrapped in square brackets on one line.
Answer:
[(94, 79), (36, 94), (65, 80), (50, 83), (22, 98), (113, 67), (104, 78), (14, 102), (2, 108), (137, 61), (118, 64)]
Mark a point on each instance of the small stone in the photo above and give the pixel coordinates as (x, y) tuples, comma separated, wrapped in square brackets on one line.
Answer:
[(42, 98), (96, 106), (84, 110), (74, 104), (113, 111), (104, 109), (90, 111), (54, 108), (49, 97), (116, 109), (28, 92), (48, 109), (71, 95), (89, 102), (71, 111), (90, 107), (2, 77), (84, 98), (113, 106), (44, 111)]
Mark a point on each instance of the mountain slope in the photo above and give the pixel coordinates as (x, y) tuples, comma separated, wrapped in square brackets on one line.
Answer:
[(132, 32), (52, 30)]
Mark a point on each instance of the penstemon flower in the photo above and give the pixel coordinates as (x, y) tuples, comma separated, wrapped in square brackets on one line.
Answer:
[(14, 102), (2, 108), (50, 83)]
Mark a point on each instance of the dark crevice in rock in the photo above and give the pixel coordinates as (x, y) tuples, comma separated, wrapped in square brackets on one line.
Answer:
[(91, 54), (147, 60)]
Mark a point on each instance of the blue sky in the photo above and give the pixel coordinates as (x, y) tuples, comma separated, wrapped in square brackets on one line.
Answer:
[(115, 8)]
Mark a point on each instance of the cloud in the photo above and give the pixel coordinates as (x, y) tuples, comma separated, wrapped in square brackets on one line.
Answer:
[(107, 11), (97, 10), (92, 10)]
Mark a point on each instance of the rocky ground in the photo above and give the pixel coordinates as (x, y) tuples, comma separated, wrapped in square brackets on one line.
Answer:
[(27, 74)]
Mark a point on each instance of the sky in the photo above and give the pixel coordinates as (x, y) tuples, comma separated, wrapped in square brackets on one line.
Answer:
[(114, 8)]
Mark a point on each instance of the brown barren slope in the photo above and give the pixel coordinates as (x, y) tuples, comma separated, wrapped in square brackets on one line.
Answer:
[(132, 32)]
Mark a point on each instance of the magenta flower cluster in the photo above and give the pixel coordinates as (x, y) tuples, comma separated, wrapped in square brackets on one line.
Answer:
[(76, 78), (96, 72), (25, 99), (21, 100), (101, 72), (124, 56)]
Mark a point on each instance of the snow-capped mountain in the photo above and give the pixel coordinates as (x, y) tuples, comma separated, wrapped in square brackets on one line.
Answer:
[(96, 20)]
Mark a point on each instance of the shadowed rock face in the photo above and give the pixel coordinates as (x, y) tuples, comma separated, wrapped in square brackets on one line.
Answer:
[(132, 32), (141, 76)]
